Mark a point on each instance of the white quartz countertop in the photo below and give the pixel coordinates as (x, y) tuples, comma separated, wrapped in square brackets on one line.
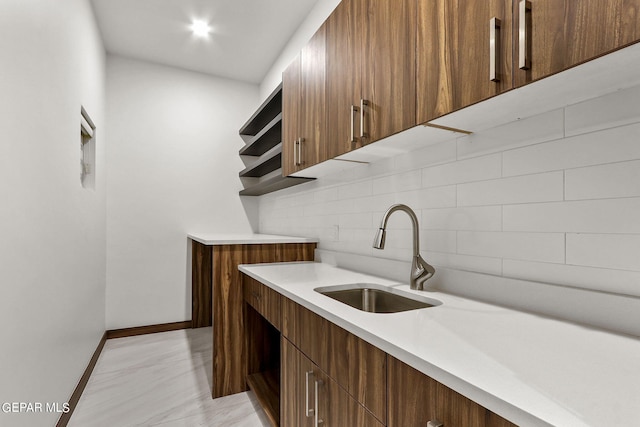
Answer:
[(532, 370), (245, 239)]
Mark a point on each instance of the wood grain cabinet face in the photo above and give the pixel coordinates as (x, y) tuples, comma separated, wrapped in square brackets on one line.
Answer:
[(355, 365), (370, 72), (454, 54), (264, 300), (305, 386), (415, 399), (303, 107), (563, 33)]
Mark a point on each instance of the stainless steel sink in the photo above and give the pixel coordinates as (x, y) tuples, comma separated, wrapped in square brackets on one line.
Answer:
[(376, 298)]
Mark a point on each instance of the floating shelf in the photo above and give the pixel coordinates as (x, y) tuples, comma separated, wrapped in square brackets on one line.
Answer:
[(268, 162), (270, 108), (266, 386), (265, 139), (271, 182)]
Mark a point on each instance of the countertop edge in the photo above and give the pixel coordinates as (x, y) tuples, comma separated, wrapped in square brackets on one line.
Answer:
[(256, 239), (480, 396)]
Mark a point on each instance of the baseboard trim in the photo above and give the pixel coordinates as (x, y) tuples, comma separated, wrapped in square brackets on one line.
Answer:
[(75, 397), (150, 329), (114, 333)]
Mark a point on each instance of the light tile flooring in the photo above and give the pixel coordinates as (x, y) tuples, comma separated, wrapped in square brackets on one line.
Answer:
[(161, 380)]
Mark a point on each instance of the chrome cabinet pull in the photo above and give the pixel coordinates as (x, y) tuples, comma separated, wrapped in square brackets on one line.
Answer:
[(363, 131), (354, 110), (300, 141), (494, 48), (308, 411), (295, 160), (524, 61), (318, 421), (435, 423)]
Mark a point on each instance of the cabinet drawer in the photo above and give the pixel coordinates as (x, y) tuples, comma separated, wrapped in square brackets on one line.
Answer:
[(264, 300), (357, 366)]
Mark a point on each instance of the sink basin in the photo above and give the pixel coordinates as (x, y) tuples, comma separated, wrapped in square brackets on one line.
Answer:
[(375, 298)]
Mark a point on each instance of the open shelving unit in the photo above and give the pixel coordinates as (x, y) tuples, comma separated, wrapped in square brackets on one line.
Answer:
[(262, 152)]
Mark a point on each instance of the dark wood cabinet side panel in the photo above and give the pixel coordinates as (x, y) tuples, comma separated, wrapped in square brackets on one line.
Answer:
[(229, 352), (201, 286), (229, 358)]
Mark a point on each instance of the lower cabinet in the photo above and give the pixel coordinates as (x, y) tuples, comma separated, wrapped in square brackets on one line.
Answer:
[(308, 372), (309, 397), (415, 399)]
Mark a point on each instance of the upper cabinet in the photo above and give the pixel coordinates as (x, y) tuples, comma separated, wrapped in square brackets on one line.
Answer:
[(370, 72), (553, 35), (464, 54), (303, 104), (379, 67)]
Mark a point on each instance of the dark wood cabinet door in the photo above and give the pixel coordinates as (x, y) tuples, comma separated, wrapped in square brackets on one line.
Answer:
[(389, 68), (294, 390), (563, 33), (344, 69), (291, 101), (464, 55), (415, 399), (312, 113)]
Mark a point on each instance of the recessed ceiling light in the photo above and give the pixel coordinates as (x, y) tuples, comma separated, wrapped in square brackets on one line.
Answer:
[(200, 28)]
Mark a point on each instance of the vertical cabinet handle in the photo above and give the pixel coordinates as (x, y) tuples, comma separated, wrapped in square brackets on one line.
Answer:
[(318, 421), (308, 411), (295, 151), (354, 110), (300, 141), (363, 129), (524, 62), (494, 48)]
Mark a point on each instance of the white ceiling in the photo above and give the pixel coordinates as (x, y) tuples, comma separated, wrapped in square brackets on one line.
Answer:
[(247, 35)]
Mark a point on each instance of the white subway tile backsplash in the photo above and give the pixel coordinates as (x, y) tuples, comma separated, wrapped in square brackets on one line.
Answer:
[(544, 247), (616, 109), (438, 241), (431, 155), (591, 216), (476, 169), (615, 251), (520, 200), (545, 187), (356, 220), (603, 181), (607, 146), (436, 197), (464, 262), (607, 280), (532, 130), (485, 218), (355, 190), (405, 181)]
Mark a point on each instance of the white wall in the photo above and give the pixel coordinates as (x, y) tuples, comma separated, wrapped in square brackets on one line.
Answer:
[(552, 198), (307, 28), (52, 245), (172, 169)]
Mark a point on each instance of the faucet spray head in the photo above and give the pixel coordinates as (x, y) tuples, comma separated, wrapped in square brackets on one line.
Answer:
[(378, 242)]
